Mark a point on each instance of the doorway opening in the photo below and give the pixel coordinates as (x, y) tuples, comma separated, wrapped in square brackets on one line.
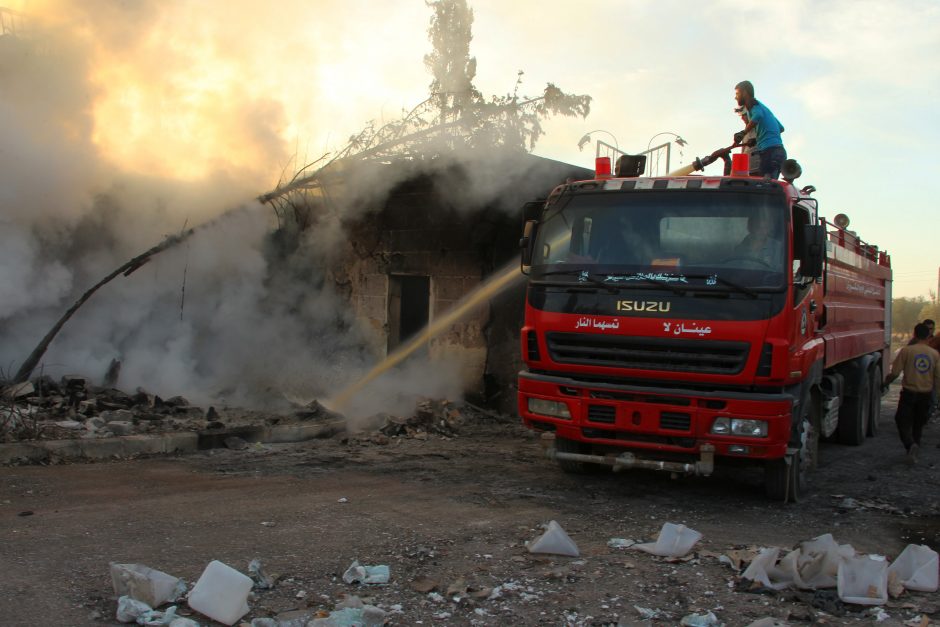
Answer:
[(409, 299)]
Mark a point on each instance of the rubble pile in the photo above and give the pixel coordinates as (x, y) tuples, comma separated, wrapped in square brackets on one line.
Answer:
[(45, 410), (73, 408), (431, 417)]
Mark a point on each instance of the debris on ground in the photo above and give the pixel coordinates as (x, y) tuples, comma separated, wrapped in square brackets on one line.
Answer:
[(262, 580), (221, 593), (916, 568), (72, 407), (365, 616), (145, 584), (620, 543), (863, 580), (554, 542), (822, 563), (424, 584), (439, 417), (648, 613), (133, 611), (700, 620), (813, 564), (768, 621), (366, 574), (673, 541)]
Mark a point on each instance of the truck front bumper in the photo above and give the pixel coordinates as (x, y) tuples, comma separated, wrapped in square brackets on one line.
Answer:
[(658, 424)]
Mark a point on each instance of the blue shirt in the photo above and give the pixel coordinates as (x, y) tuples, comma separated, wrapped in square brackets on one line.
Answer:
[(768, 126)]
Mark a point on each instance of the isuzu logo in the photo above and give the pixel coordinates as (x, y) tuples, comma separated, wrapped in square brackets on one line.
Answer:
[(644, 305)]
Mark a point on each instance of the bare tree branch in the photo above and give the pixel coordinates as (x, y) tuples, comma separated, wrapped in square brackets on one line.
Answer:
[(127, 269)]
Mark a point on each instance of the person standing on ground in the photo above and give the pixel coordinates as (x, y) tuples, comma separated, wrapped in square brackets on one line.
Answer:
[(933, 342), (918, 362), (769, 143), (931, 338)]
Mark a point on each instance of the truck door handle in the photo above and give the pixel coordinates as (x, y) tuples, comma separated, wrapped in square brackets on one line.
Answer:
[(812, 306)]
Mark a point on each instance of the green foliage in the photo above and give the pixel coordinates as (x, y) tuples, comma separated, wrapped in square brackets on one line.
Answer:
[(509, 121), (450, 63), (931, 309), (906, 312)]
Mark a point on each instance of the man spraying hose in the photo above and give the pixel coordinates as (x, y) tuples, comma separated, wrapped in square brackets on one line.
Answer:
[(768, 127)]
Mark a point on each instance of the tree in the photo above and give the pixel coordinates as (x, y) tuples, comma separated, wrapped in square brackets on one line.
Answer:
[(930, 309), (905, 313), (454, 117), (449, 62), (513, 120)]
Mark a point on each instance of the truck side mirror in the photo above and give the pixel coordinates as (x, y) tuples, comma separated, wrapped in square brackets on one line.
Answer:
[(532, 210), (813, 254), (527, 243)]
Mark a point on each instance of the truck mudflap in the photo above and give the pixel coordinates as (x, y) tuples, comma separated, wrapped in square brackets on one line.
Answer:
[(628, 461)]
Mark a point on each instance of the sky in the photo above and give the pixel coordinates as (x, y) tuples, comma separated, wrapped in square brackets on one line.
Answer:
[(125, 121), (192, 89)]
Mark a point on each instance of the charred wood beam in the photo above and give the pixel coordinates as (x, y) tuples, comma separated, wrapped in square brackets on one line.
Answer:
[(127, 269)]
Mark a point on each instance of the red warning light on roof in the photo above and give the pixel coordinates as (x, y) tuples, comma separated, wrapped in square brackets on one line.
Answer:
[(602, 167)]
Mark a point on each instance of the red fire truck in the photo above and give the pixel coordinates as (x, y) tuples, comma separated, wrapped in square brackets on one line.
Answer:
[(679, 322)]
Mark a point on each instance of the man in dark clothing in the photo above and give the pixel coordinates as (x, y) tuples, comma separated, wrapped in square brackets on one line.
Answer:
[(769, 143), (918, 362), (931, 338)]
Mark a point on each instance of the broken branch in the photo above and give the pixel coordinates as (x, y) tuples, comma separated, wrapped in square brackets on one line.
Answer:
[(127, 269)]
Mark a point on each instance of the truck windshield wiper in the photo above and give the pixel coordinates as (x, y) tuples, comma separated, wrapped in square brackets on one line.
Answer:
[(590, 278), (666, 284), (735, 286), (585, 279)]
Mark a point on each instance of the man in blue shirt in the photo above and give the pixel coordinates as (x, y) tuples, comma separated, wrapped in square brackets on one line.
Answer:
[(768, 128)]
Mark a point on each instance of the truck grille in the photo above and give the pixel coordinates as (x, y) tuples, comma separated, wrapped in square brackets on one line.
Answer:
[(675, 421), (648, 353), (602, 413)]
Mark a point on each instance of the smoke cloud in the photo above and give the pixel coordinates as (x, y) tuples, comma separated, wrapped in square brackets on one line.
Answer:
[(94, 170), (124, 123)]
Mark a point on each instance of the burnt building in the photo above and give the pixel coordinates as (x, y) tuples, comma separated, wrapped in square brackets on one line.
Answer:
[(439, 235)]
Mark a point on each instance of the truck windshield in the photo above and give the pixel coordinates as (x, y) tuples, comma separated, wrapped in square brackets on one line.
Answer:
[(709, 238)]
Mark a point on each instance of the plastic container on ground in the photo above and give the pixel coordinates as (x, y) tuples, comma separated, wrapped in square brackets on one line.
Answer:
[(221, 593), (673, 541), (917, 568), (554, 542), (863, 580), (145, 584)]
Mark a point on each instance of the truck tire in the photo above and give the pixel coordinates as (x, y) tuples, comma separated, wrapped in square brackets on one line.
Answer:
[(782, 479), (563, 445), (875, 387), (785, 479), (854, 417)]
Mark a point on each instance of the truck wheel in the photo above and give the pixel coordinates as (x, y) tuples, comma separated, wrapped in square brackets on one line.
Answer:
[(875, 387), (854, 417), (785, 479), (782, 479), (563, 445)]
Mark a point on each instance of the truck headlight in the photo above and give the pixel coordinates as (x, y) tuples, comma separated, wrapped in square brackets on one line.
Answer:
[(740, 426), (549, 408)]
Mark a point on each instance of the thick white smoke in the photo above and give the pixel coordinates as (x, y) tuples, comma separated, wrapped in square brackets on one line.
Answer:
[(91, 175), (209, 318)]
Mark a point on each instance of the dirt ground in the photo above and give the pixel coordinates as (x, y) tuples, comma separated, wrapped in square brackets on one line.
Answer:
[(455, 512)]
